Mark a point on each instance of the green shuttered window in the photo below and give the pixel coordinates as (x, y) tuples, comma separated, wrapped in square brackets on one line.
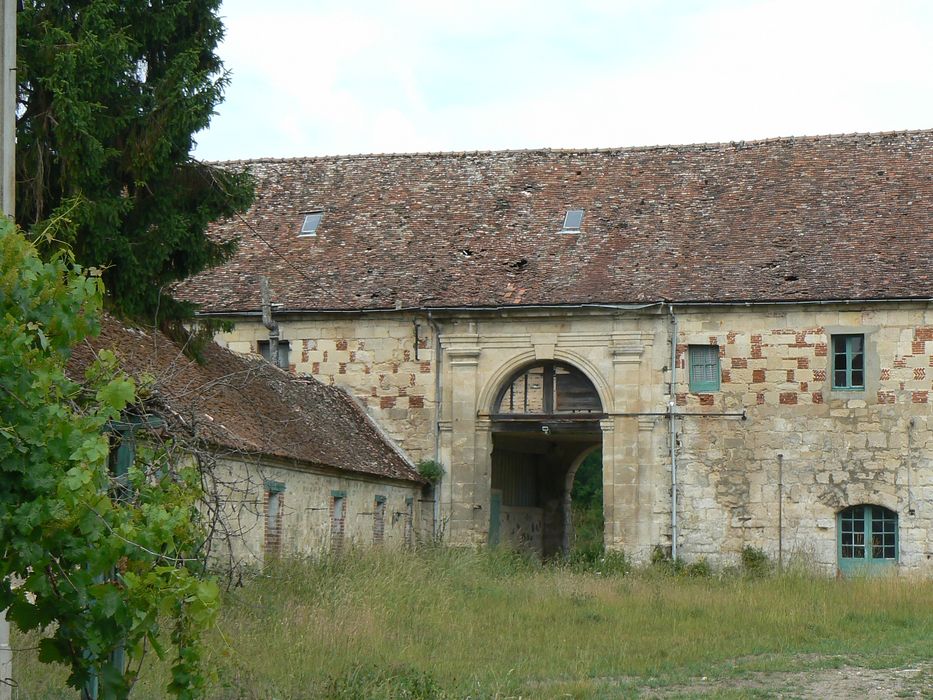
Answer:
[(704, 367)]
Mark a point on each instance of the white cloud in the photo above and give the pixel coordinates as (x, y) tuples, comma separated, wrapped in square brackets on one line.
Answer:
[(429, 75)]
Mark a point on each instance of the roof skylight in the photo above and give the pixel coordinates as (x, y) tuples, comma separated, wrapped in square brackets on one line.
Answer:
[(311, 222), (573, 220)]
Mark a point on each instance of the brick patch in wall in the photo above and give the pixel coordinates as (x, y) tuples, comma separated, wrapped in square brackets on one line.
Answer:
[(681, 399), (821, 349), (918, 347), (342, 344), (919, 397), (790, 375), (804, 386), (923, 333), (885, 375), (315, 368), (739, 363), (416, 402), (726, 376), (920, 373), (424, 368), (788, 397), (817, 397), (803, 363), (886, 397), (760, 398), (758, 376), (387, 402), (706, 399), (819, 375)]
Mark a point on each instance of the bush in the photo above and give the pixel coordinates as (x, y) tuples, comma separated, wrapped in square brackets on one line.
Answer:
[(699, 569), (755, 562), (431, 470)]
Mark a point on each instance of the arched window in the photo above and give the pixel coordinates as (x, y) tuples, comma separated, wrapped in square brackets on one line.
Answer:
[(867, 538), (546, 389)]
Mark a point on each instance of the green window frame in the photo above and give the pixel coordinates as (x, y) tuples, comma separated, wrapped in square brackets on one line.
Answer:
[(849, 361), (868, 537), (704, 368)]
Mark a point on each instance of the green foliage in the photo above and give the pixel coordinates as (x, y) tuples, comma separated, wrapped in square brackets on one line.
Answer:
[(431, 470), (755, 562), (99, 563), (111, 93), (587, 548)]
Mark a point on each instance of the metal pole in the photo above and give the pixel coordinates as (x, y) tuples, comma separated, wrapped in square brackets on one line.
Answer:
[(672, 406), (7, 201), (8, 107), (780, 512)]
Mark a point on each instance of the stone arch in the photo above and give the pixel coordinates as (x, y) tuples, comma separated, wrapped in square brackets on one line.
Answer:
[(860, 495), (515, 364)]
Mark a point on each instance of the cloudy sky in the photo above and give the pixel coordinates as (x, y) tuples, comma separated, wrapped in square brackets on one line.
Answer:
[(323, 77)]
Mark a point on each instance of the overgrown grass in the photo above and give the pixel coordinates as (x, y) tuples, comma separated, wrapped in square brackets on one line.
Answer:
[(456, 623)]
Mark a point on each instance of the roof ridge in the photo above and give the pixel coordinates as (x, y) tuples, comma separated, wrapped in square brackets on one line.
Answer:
[(611, 149)]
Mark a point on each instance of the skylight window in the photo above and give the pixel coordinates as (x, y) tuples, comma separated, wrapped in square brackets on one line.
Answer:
[(573, 220), (311, 222)]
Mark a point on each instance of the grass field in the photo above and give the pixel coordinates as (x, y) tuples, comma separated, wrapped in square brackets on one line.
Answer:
[(454, 623)]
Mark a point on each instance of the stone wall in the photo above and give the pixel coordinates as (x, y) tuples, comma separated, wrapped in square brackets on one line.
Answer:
[(376, 357), (805, 451), (836, 448), (306, 515)]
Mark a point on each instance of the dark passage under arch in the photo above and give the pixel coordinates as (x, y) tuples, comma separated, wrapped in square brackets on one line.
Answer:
[(544, 418)]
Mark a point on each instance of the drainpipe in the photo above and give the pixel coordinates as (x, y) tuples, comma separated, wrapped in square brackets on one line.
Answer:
[(780, 512), (671, 406), (267, 320), (437, 422)]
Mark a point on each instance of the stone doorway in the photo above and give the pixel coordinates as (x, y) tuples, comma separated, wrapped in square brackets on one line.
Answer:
[(545, 420)]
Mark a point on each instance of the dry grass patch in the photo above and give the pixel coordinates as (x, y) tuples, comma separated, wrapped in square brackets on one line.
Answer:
[(454, 623)]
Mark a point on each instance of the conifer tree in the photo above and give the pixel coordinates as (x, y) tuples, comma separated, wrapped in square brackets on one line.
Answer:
[(111, 93)]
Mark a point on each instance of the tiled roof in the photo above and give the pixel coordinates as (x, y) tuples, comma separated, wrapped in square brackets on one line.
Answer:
[(815, 218), (243, 404)]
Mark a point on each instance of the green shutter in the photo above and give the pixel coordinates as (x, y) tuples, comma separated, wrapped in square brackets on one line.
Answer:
[(704, 368)]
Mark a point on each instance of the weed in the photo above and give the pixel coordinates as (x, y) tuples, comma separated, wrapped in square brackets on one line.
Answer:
[(755, 562)]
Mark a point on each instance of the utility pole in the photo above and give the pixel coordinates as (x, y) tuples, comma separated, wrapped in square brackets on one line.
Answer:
[(7, 202)]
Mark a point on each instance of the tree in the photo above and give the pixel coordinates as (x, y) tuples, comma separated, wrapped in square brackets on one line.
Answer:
[(101, 558), (110, 95)]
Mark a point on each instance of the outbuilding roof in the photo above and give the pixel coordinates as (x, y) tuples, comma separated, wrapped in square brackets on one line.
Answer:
[(246, 406), (814, 218)]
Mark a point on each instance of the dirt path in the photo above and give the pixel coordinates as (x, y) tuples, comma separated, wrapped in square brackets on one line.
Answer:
[(914, 681)]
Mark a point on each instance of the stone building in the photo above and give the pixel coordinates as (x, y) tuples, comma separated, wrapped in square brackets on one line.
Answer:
[(291, 466), (745, 330)]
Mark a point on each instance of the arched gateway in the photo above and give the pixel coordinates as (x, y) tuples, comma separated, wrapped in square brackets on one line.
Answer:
[(545, 418)]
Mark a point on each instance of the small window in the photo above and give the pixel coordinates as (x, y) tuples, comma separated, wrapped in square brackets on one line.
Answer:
[(704, 368), (379, 520), (283, 352), (849, 361), (311, 222), (274, 497), (573, 220), (338, 519), (409, 521)]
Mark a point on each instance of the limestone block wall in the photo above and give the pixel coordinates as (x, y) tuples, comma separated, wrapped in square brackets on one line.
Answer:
[(381, 358), (306, 511), (835, 448)]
